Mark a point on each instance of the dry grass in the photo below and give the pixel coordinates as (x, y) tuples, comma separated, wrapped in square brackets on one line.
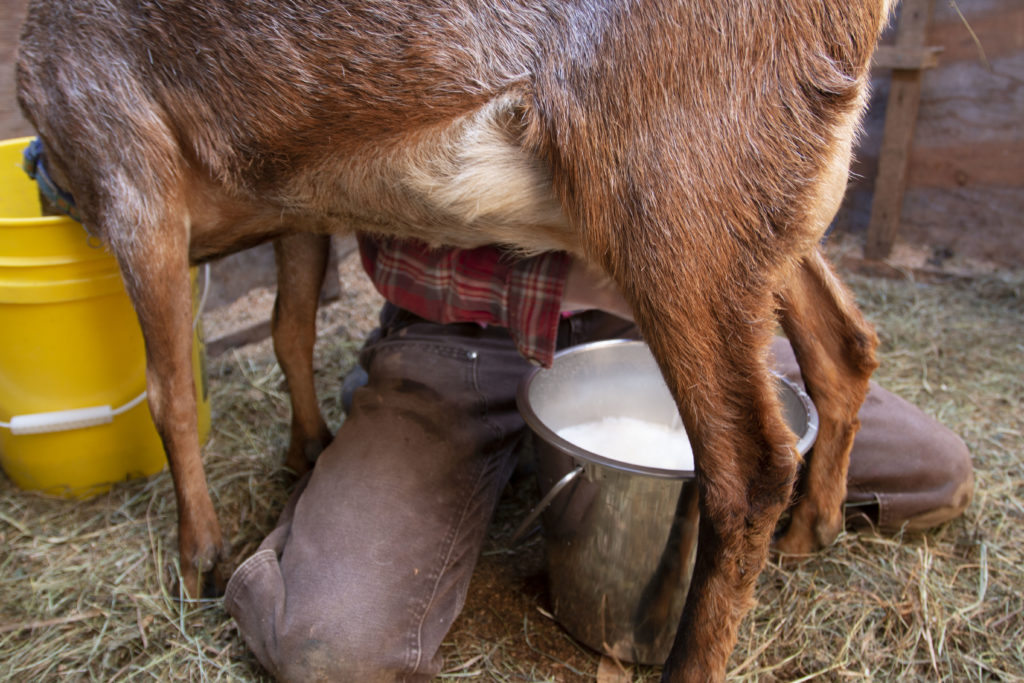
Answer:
[(84, 586)]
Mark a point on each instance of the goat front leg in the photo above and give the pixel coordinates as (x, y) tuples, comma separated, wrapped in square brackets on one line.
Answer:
[(835, 348), (301, 265), (158, 283)]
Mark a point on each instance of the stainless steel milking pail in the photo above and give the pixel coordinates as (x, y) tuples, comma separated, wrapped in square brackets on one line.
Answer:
[(620, 537)]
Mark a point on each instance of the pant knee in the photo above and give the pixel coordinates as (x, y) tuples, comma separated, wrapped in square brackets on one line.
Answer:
[(951, 500), (302, 658)]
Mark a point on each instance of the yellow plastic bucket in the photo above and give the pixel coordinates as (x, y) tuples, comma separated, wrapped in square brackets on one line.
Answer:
[(71, 353)]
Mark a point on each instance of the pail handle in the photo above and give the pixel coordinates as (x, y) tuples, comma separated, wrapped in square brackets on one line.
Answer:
[(79, 418), (543, 504)]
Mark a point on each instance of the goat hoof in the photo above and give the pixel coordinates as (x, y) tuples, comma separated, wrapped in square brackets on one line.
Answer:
[(796, 543), (827, 530), (200, 576), (302, 454), (295, 462), (806, 535), (198, 585), (212, 584)]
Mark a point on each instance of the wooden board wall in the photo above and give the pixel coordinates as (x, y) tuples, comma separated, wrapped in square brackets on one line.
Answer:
[(965, 184)]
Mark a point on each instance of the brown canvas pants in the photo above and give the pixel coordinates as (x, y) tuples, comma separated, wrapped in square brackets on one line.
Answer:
[(371, 559)]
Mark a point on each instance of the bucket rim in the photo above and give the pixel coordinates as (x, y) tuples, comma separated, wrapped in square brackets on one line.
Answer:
[(535, 423)]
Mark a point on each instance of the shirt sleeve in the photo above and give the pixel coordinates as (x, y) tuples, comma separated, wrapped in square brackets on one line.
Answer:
[(487, 285)]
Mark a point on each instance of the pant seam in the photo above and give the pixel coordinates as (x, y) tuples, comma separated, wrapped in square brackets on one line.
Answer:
[(416, 657), (450, 542)]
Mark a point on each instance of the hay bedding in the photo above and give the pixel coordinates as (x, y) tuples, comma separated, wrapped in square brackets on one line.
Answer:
[(84, 586)]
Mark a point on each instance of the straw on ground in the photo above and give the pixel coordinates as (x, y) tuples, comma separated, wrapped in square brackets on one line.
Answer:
[(84, 586)]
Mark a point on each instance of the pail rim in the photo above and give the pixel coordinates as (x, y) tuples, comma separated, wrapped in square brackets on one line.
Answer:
[(534, 421), (537, 424)]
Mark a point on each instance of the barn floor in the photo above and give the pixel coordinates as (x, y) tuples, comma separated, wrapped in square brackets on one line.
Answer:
[(85, 589)]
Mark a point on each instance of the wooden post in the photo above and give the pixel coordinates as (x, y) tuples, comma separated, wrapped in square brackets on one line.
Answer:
[(900, 120)]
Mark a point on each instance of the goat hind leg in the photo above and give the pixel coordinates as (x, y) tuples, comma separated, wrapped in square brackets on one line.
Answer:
[(158, 282), (301, 264), (711, 345), (835, 348), (746, 466)]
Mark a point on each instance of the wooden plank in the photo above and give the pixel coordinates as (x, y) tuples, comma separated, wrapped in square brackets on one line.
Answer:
[(898, 137), (250, 334), (331, 288), (884, 269), (998, 163), (898, 57), (237, 274), (1000, 30), (975, 164), (344, 246)]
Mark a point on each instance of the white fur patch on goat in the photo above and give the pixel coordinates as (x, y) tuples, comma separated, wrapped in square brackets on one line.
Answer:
[(465, 183), (480, 172)]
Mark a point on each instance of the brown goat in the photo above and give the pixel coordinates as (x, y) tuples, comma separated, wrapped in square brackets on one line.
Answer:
[(695, 151)]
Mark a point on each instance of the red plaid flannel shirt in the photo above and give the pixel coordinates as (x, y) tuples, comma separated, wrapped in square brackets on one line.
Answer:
[(486, 285)]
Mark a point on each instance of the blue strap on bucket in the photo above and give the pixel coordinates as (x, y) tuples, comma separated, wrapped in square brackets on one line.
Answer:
[(34, 164)]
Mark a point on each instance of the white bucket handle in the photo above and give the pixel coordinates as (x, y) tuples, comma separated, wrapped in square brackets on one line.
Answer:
[(78, 418)]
